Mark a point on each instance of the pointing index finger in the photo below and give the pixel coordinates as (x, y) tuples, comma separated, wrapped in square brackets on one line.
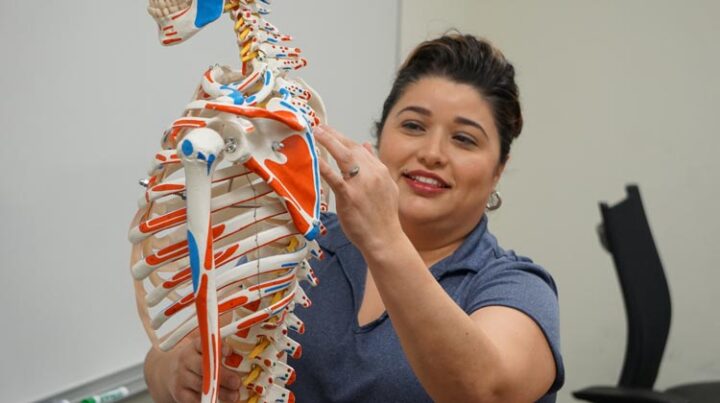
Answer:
[(337, 135), (339, 151)]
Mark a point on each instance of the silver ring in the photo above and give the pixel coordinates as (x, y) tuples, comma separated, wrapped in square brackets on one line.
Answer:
[(354, 170)]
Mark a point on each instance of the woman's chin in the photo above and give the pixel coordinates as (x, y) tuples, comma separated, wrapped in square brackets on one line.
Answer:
[(419, 213)]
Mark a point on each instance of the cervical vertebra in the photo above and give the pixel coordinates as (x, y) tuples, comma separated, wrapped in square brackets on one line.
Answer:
[(231, 206)]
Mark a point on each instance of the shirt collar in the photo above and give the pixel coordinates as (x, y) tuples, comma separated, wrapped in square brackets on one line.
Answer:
[(472, 254)]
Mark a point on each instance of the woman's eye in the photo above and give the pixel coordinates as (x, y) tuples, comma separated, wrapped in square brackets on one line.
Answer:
[(412, 126), (465, 139)]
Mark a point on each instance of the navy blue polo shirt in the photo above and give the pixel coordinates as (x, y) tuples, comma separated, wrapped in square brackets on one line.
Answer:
[(345, 362)]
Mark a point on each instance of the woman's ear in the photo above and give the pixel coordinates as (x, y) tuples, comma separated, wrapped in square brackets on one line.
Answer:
[(499, 169)]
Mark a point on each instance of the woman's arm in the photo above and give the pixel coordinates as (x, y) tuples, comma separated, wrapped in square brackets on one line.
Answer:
[(496, 354)]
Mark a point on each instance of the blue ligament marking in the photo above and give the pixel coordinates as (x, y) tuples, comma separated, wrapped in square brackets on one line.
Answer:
[(276, 288), (194, 261), (281, 55), (284, 92), (312, 234), (272, 40), (187, 148), (292, 264), (251, 99), (237, 97), (287, 105), (242, 260), (201, 156), (210, 161), (208, 11), (268, 75)]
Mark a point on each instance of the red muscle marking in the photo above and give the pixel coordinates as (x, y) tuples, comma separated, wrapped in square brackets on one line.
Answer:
[(180, 305), (201, 307), (250, 80), (171, 252), (179, 249), (174, 133), (243, 333), (253, 306), (232, 304), (295, 179), (253, 321), (226, 255), (189, 123), (298, 353), (233, 360), (169, 41), (291, 379), (209, 259), (297, 176), (267, 284), (214, 349), (185, 274), (286, 117), (163, 222), (175, 17), (168, 187), (208, 76)]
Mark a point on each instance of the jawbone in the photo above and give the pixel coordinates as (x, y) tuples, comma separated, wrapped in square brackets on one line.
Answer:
[(178, 20)]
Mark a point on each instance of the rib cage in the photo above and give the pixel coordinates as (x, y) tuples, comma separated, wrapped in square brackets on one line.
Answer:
[(260, 221)]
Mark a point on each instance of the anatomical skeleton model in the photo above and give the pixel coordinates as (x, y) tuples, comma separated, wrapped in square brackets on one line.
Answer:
[(231, 205)]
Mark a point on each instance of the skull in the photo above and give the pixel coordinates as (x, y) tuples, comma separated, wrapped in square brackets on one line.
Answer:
[(178, 20)]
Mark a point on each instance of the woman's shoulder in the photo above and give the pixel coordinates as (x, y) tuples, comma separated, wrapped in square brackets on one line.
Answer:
[(482, 254), (505, 278), (508, 263)]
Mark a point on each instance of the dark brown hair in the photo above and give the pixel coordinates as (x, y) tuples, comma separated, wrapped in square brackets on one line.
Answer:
[(465, 59)]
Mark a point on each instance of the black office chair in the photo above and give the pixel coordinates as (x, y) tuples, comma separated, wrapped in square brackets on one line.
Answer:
[(625, 233)]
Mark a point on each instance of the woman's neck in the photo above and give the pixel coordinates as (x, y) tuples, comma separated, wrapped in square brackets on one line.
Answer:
[(434, 242)]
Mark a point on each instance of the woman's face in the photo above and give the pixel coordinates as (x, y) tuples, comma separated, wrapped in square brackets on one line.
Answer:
[(441, 146)]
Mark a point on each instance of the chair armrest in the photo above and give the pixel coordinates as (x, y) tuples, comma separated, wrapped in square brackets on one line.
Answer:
[(613, 394)]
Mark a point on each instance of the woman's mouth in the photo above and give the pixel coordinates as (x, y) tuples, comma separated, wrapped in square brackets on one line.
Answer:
[(425, 183)]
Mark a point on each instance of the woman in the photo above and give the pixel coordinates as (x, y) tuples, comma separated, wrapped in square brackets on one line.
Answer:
[(418, 302)]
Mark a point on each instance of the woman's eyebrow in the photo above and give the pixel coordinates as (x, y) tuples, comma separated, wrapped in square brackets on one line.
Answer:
[(465, 121), (459, 120), (417, 109)]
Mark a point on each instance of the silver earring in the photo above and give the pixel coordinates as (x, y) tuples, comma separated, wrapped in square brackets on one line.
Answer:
[(494, 201)]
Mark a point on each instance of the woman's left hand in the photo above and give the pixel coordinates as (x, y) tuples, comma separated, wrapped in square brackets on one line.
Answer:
[(366, 196)]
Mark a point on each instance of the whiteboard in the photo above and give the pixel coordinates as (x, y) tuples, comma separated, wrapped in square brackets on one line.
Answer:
[(87, 93)]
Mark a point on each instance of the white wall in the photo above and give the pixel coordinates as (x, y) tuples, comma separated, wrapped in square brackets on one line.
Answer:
[(87, 93), (613, 92)]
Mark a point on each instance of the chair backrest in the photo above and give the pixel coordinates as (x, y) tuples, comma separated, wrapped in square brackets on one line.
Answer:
[(644, 288)]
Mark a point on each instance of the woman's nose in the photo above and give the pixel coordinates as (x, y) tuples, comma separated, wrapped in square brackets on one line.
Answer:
[(431, 152)]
